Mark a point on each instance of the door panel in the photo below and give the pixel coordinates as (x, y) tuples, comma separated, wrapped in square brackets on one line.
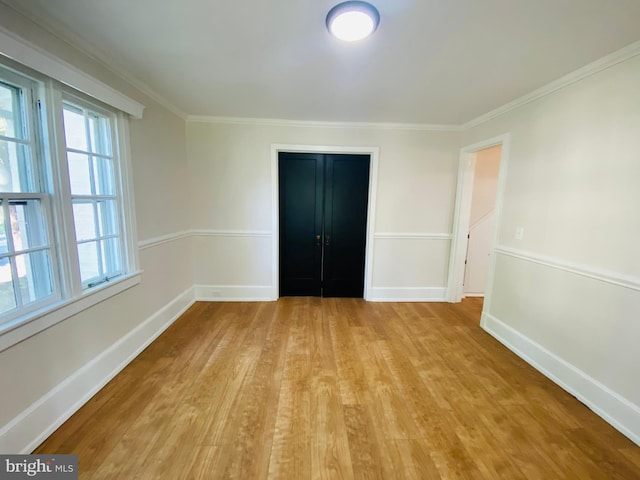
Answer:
[(301, 194), (323, 218), (345, 223)]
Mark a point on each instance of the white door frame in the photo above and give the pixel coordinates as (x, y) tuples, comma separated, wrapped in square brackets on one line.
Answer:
[(462, 215), (373, 153)]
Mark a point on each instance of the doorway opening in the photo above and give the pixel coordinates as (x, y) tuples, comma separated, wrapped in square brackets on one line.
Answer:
[(481, 179), (481, 221)]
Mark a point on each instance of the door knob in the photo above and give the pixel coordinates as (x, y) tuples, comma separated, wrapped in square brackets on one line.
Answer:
[(327, 240), (318, 240)]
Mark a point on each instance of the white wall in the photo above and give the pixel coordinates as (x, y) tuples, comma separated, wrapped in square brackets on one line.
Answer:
[(481, 220), (232, 210), (567, 296), (45, 377)]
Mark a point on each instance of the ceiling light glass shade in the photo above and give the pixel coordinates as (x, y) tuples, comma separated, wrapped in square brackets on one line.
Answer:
[(352, 21)]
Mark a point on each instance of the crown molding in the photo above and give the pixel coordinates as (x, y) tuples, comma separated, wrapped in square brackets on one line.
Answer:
[(592, 68), (17, 48), (599, 65), (65, 35), (276, 122)]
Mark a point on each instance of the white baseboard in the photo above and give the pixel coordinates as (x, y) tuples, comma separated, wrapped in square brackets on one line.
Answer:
[(31, 427), (407, 294), (234, 293), (615, 409)]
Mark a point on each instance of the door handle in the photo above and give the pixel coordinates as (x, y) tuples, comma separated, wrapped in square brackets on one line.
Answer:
[(327, 240), (318, 242)]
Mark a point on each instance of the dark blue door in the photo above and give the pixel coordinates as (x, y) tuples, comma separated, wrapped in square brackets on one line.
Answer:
[(323, 221)]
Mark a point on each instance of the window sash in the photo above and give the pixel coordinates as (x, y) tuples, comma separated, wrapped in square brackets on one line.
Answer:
[(98, 149), (23, 169), (28, 274), (31, 269)]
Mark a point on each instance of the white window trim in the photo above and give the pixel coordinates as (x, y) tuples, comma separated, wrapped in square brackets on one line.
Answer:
[(24, 327), (118, 158), (73, 300)]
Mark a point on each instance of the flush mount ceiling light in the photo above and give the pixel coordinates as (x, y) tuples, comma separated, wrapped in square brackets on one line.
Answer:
[(352, 21)]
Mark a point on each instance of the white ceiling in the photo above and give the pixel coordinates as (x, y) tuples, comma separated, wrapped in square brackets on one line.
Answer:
[(430, 61)]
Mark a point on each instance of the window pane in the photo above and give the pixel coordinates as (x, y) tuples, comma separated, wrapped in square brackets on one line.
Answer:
[(7, 295), (111, 256), (27, 224), (79, 174), (84, 220), (100, 134), (107, 217), (15, 167), (88, 257), (11, 123), (103, 176), (34, 276), (75, 132)]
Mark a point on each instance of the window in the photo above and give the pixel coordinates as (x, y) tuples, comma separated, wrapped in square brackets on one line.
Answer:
[(65, 225), (91, 164), (26, 272)]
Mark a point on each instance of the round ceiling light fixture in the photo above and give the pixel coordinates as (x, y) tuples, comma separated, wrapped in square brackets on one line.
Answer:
[(352, 21)]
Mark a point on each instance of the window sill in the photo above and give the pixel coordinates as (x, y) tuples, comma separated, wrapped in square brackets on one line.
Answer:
[(20, 329)]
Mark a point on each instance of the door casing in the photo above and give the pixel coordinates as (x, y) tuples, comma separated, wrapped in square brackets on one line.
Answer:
[(373, 153), (462, 214)]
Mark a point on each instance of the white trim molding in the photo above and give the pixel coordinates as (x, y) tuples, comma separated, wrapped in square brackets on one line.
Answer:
[(28, 429), (593, 68), (612, 407), (231, 233), (599, 65), (234, 293), (155, 241), (589, 271), (277, 122), (172, 237), (32, 56), (20, 329), (407, 294), (412, 236), (462, 214)]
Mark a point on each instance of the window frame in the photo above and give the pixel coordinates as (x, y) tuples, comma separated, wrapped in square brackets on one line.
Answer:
[(51, 171), (75, 100), (29, 87)]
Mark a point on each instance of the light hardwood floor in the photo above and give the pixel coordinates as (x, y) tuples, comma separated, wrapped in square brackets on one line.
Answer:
[(337, 388)]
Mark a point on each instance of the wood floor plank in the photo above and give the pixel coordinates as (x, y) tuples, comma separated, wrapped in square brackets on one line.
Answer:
[(309, 388), (364, 448)]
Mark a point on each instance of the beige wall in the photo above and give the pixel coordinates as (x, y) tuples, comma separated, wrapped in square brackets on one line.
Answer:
[(485, 182), (36, 366), (571, 284), (231, 189)]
